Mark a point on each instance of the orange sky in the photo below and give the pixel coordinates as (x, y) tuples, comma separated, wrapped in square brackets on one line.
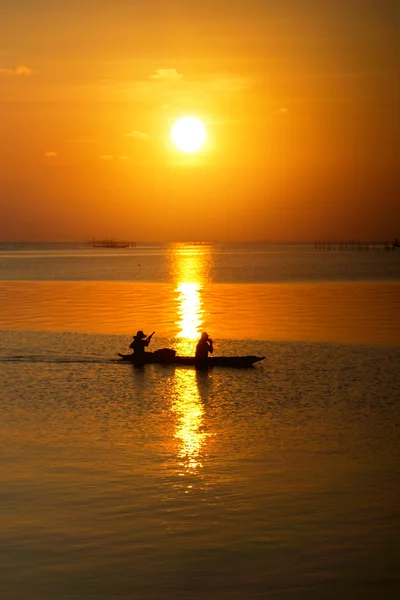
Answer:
[(300, 101)]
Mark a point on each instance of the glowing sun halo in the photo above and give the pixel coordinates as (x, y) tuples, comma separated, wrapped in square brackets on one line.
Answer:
[(188, 134)]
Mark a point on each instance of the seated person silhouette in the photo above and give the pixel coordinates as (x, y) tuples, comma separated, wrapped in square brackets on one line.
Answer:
[(139, 345), (204, 346)]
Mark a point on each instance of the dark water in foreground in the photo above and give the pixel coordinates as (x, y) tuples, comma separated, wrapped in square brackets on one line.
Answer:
[(280, 481)]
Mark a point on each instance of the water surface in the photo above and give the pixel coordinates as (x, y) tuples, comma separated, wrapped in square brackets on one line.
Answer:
[(279, 481)]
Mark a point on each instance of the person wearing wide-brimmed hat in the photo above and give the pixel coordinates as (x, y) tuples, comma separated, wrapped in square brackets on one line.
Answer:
[(204, 346), (139, 344)]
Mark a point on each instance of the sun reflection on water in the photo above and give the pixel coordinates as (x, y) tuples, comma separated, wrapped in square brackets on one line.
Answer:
[(190, 310), (190, 269), (190, 314), (188, 408)]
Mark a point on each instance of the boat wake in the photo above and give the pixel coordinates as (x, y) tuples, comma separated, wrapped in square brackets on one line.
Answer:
[(19, 358)]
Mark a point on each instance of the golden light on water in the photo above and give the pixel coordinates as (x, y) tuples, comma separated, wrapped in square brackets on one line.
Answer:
[(190, 310), (190, 267), (189, 410)]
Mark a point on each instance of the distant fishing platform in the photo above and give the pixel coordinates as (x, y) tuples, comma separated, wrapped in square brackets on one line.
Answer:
[(356, 246), (112, 244)]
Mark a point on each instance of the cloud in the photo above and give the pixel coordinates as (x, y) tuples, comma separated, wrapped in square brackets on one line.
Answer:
[(166, 75), (106, 157), (18, 70), (124, 157), (139, 135), (165, 107), (50, 154)]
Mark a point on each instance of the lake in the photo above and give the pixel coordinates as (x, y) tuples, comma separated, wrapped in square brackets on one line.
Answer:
[(278, 481)]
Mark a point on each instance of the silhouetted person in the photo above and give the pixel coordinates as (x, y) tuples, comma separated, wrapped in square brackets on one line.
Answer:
[(139, 345), (204, 346)]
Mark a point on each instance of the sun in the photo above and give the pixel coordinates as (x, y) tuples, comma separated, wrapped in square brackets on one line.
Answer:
[(188, 134)]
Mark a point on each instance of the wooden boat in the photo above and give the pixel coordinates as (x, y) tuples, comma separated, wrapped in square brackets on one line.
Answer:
[(164, 357)]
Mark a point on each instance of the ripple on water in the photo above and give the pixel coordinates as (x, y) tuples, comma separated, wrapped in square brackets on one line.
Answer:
[(119, 481)]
